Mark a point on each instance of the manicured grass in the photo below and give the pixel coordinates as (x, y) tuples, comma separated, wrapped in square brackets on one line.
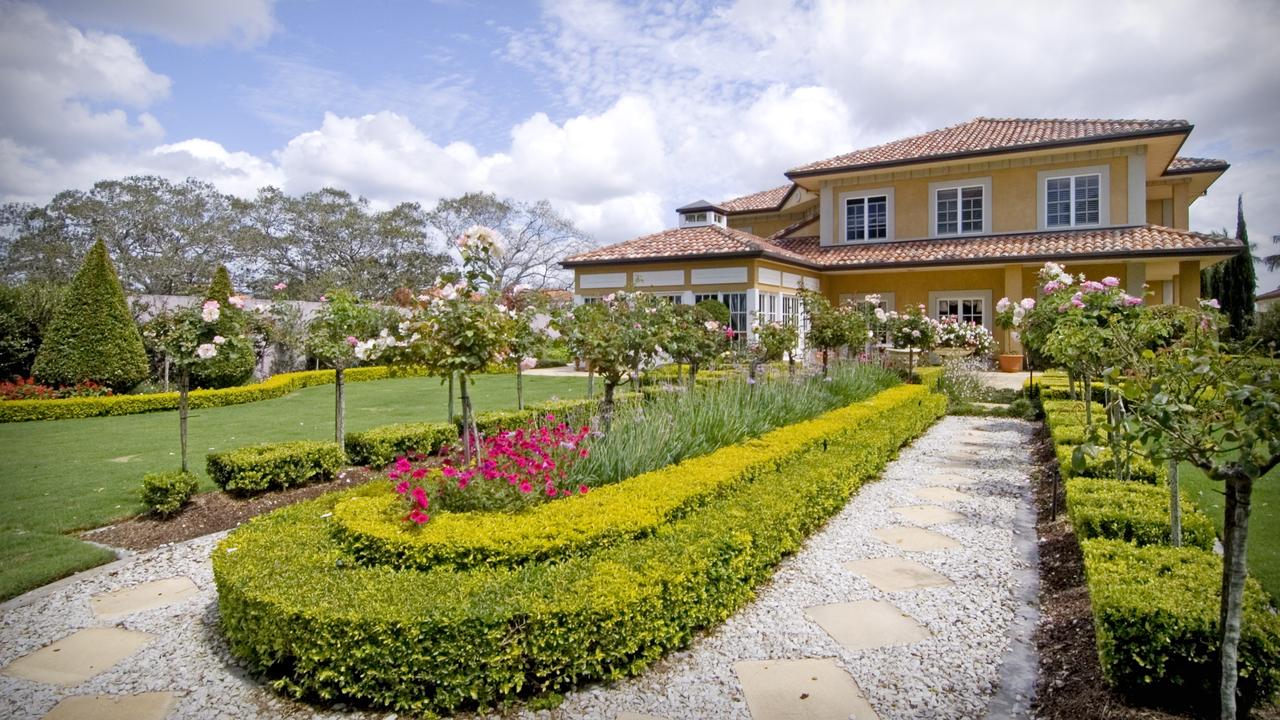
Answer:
[(1264, 521), (57, 476)]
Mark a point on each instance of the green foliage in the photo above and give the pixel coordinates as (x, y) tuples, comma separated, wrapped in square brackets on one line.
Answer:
[(220, 288), (165, 493), (1266, 331), (93, 335), (715, 310), (1133, 512), (832, 327), (1235, 280), (776, 339), (340, 319), (695, 337), (25, 312), (296, 605), (273, 387), (1099, 464), (378, 446), (617, 335), (1156, 615), (274, 466)]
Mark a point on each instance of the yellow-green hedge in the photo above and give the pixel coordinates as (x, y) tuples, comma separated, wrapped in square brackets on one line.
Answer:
[(297, 606), (273, 387), (370, 528), (1132, 511)]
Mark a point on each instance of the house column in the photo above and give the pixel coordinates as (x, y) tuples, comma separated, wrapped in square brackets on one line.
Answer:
[(1135, 277), (1013, 291), (1189, 283)]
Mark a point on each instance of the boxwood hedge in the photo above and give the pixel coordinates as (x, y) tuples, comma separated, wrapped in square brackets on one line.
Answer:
[(270, 466), (1155, 611), (298, 606), (1132, 511), (273, 387)]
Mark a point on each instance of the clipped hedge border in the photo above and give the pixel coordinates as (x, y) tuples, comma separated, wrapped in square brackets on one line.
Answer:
[(1155, 612), (273, 387), (270, 466), (609, 515), (1133, 512), (295, 605)]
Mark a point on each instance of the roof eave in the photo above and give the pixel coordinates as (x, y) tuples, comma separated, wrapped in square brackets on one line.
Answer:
[(1184, 131), (773, 208), (1214, 169), (1109, 255)]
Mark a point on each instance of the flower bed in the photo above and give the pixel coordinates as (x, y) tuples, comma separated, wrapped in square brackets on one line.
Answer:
[(273, 387), (296, 604)]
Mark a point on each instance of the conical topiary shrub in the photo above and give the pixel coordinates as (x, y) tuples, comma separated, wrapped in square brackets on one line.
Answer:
[(234, 362), (93, 335)]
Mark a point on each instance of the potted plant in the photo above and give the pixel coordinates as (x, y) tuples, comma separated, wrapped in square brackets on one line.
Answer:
[(912, 332), (1009, 316), (957, 339)]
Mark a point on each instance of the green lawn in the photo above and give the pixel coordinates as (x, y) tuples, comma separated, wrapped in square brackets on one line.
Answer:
[(58, 476), (1264, 521)]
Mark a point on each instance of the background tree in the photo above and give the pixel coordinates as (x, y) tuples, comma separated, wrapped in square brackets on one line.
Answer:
[(93, 336), (1273, 261), (166, 237), (25, 313), (1236, 282), (333, 335), (537, 237)]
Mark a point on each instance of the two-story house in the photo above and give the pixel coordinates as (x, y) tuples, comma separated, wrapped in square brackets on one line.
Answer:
[(953, 219)]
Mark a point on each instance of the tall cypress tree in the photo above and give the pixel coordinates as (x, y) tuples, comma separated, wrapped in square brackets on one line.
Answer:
[(93, 335), (1236, 281)]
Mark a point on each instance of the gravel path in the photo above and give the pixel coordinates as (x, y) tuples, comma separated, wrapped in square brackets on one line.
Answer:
[(974, 623)]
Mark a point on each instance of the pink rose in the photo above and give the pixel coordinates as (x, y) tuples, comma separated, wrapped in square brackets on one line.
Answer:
[(1111, 281)]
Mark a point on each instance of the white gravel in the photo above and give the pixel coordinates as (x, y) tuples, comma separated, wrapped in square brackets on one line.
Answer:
[(952, 674)]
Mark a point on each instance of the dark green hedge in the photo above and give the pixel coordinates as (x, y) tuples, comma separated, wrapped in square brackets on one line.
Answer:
[(378, 446), (295, 605), (1155, 611), (273, 466), (92, 336)]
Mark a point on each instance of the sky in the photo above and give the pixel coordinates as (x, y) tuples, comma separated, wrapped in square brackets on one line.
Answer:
[(615, 112)]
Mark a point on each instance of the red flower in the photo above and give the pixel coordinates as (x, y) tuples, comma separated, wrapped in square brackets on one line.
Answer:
[(582, 489), (418, 517)]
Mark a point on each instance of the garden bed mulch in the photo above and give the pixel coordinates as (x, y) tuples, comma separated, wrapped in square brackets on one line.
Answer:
[(1070, 685), (213, 512)]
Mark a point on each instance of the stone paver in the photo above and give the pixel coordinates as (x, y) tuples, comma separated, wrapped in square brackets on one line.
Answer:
[(867, 624), (893, 574), (811, 689), (638, 716), (928, 514), (78, 656), (941, 494), (914, 539), (143, 706), (953, 478), (146, 596)]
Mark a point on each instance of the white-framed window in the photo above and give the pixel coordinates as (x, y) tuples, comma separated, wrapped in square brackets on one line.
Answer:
[(867, 215), (673, 298), (1074, 197), (960, 207), (767, 307), (737, 304), (965, 305), (588, 299)]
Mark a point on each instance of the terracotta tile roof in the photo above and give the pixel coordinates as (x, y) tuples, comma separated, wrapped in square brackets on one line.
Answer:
[(1055, 244), (683, 243), (1182, 165), (986, 135), (764, 200), (714, 241), (1274, 294)]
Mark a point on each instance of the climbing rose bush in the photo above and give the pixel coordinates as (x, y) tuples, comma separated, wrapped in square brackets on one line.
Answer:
[(513, 469)]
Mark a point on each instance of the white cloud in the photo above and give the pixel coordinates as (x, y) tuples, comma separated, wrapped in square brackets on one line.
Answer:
[(62, 88), (203, 22)]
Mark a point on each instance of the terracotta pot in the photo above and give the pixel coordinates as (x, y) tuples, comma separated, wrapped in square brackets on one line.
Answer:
[(1010, 363)]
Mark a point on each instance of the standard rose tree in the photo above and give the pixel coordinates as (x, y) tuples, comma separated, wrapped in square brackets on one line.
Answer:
[(333, 336), (615, 336)]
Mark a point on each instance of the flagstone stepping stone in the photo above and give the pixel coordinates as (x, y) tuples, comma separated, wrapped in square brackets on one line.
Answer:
[(928, 514), (950, 476), (867, 624), (78, 656), (941, 494), (638, 716), (145, 596), (811, 689), (892, 574), (144, 706), (914, 539)]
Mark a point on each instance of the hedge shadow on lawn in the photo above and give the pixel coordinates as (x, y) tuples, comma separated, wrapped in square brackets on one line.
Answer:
[(298, 605)]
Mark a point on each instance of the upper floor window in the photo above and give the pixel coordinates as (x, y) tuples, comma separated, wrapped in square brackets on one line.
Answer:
[(1073, 200), (868, 215), (960, 207)]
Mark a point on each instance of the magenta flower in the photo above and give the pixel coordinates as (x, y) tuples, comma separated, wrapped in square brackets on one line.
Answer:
[(420, 496), (419, 517), (402, 487)]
